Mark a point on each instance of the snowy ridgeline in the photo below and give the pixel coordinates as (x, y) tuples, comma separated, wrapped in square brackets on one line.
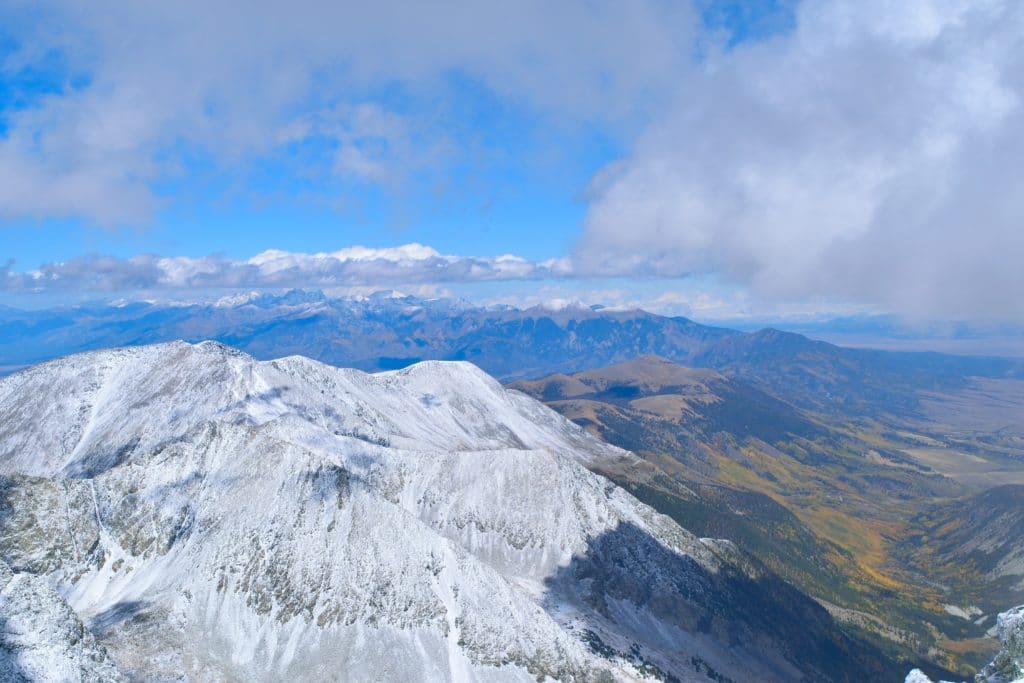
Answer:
[(1008, 665), (184, 512)]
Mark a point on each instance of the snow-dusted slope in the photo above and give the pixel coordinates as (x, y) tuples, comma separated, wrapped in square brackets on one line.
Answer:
[(84, 414), (211, 517), (42, 639)]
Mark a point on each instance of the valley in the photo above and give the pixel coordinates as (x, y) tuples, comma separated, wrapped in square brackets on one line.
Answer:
[(847, 508)]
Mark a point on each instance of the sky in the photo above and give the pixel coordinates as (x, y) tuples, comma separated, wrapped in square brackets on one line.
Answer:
[(716, 159)]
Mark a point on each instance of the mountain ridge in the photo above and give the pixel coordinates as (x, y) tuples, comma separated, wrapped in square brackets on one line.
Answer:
[(206, 511), (382, 333)]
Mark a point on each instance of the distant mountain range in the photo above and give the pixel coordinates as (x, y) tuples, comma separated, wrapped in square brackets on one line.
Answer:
[(891, 332), (387, 331)]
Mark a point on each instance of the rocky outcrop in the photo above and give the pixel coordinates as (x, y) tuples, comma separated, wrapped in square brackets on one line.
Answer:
[(42, 639), (1008, 664)]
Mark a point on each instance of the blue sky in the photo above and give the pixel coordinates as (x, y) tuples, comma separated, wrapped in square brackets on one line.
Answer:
[(770, 157), (515, 185)]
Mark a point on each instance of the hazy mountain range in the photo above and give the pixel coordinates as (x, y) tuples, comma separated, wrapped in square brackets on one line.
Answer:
[(388, 330)]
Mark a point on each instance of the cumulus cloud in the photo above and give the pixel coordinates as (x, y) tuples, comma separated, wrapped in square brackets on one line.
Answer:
[(873, 154), (410, 264), (867, 154), (144, 87)]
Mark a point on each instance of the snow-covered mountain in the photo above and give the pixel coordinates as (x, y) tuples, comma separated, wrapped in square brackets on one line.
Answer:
[(210, 517)]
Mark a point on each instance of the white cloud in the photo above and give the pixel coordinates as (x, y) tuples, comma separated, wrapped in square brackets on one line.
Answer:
[(351, 268), (870, 156), (151, 85), (414, 269), (873, 155)]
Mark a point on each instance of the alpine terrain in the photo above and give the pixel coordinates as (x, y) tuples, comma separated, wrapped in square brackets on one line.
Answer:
[(905, 523), (185, 512)]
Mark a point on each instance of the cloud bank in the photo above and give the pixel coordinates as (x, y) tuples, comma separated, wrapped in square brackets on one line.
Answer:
[(873, 154), (410, 264), (141, 93)]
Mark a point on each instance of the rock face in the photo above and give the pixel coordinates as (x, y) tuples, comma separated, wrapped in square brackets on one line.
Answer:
[(41, 637), (1008, 664), (210, 517)]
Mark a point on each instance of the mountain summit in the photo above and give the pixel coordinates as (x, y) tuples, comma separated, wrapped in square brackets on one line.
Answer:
[(212, 517)]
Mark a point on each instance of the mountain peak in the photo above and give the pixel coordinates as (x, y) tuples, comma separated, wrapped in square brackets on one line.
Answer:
[(205, 511)]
